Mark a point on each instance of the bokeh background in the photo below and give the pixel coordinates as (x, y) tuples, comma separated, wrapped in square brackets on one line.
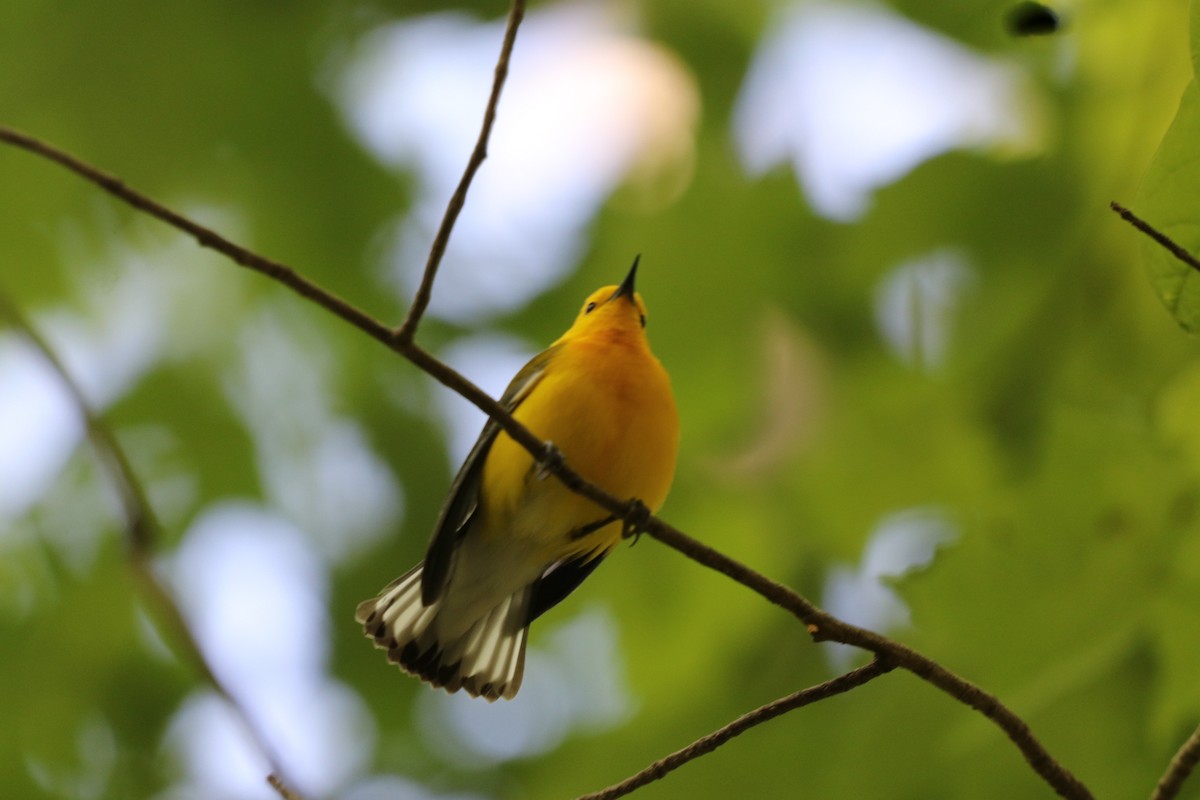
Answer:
[(922, 375)]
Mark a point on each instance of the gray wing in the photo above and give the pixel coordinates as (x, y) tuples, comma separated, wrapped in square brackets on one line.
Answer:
[(457, 512)]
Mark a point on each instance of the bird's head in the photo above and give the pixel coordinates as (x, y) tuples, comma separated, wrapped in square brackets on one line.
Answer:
[(612, 309)]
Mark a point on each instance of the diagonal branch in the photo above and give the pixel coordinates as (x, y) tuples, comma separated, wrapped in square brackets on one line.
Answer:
[(822, 626), (281, 788), (1179, 769), (142, 529), (1156, 235), (825, 627), (140, 523), (420, 301), (205, 237), (703, 746)]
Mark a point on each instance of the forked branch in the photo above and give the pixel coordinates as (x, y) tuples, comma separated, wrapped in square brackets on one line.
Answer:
[(821, 626)]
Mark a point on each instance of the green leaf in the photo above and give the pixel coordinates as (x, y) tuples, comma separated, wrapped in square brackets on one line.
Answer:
[(1169, 200)]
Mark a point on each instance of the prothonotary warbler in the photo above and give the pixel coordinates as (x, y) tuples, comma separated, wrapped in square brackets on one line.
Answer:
[(511, 541)]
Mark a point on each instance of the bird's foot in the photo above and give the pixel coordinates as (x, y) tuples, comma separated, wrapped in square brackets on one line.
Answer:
[(634, 520)]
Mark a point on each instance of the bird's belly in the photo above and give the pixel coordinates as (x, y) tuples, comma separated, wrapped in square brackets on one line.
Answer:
[(619, 432)]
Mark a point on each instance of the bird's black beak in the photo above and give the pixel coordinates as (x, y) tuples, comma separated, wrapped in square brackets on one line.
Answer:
[(626, 288)]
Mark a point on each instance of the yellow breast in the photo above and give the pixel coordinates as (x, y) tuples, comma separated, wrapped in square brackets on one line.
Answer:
[(606, 403)]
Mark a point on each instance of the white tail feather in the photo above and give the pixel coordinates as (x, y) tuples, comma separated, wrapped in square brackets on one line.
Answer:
[(487, 658)]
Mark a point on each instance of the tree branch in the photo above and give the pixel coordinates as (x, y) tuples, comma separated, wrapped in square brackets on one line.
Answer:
[(140, 523), (1179, 769), (205, 237), (420, 300), (659, 769), (822, 626), (1156, 235), (142, 530), (281, 788), (825, 627)]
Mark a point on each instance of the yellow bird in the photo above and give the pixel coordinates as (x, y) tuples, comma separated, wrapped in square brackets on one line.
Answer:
[(511, 541)]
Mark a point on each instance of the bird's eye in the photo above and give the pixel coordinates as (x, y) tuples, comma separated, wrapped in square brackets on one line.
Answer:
[(589, 308), (643, 318)]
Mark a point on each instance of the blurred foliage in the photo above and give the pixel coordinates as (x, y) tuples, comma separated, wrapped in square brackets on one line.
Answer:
[(1059, 435)]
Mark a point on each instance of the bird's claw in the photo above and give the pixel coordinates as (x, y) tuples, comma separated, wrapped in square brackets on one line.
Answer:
[(634, 520)]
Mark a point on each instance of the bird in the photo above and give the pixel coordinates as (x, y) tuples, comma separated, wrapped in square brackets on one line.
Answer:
[(511, 541)]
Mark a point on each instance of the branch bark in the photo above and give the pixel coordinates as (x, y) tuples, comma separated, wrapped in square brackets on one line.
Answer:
[(1179, 769)]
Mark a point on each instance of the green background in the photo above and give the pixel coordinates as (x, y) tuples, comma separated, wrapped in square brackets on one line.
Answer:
[(1059, 437)]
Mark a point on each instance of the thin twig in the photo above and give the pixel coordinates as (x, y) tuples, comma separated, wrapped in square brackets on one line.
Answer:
[(142, 530), (1179, 769), (281, 788), (706, 744), (140, 523), (1156, 235), (822, 626), (420, 302)]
